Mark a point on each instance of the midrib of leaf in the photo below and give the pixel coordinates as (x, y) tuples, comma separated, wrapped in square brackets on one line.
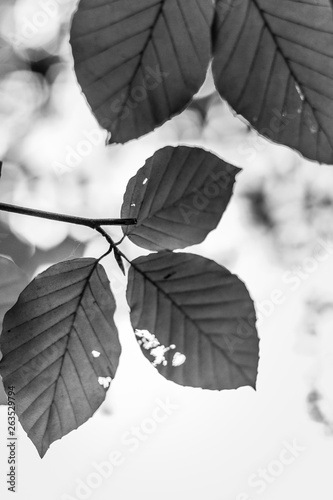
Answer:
[(291, 71), (174, 204), (66, 348), (149, 38), (201, 333), (181, 196)]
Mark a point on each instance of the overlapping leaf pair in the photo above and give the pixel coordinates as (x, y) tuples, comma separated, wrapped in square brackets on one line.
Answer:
[(140, 62)]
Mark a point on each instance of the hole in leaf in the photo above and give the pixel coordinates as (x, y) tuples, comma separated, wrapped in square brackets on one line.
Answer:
[(105, 381), (148, 341), (178, 359)]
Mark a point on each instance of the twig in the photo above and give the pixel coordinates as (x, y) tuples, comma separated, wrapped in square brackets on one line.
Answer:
[(71, 219)]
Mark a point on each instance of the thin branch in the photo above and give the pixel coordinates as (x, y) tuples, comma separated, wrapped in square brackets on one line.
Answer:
[(106, 236), (118, 254), (71, 219)]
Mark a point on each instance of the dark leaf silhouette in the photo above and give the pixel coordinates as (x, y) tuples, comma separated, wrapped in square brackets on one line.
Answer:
[(60, 349), (12, 282), (177, 197), (119, 260), (273, 63), (140, 62), (197, 310)]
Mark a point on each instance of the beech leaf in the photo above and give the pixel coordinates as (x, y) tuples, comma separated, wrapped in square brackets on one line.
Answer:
[(139, 62), (60, 349), (273, 63), (12, 282), (177, 197), (194, 320)]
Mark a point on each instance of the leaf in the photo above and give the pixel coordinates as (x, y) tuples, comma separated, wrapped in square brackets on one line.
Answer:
[(3, 395), (12, 282), (201, 311), (177, 197), (119, 260), (19, 249), (60, 343), (273, 63), (139, 62)]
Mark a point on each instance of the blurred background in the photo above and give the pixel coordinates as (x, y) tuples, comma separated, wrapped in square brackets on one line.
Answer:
[(276, 235)]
